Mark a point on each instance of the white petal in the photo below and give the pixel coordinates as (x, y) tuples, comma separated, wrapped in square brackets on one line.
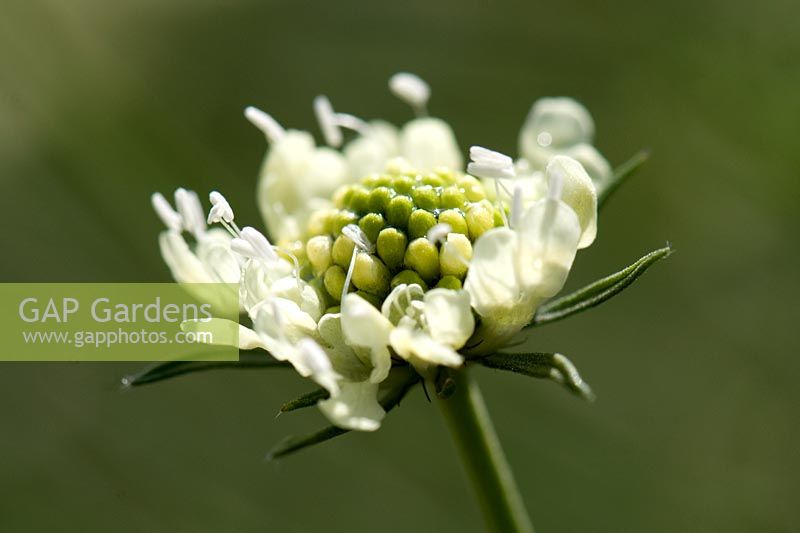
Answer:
[(578, 192), (368, 154), (184, 265), (319, 366), (595, 164), (281, 324), (428, 143), (296, 178), (492, 280), (214, 251), (395, 305), (548, 240), (344, 359), (554, 124), (356, 407), (362, 324), (449, 316), (226, 333), (421, 350)]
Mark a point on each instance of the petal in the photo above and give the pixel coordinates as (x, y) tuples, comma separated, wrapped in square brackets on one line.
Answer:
[(362, 324), (301, 293), (368, 153), (214, 251), (395, 305), (554, 124), (184, 265), (595, 164), (343, 357), (355, 407), (548, 240), (578, 192), (449, 316), (295, 177), (421, 350), (281, 323), (318, 365), (225, 333), (428, 143), (491, 280), (257, 280)]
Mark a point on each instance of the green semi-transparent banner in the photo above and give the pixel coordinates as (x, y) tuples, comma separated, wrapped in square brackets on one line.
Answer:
[(119, 322)]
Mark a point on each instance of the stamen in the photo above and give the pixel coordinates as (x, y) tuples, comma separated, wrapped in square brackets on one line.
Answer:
[(411, 89), (490, 164), (349, 275), (499, 202), (264, 122), (253, 244), (168, 216), (516, 205), (556, 184), (296, 269), (327, 121), (359, 238), (191, 211), (438, 233), (220, 208)]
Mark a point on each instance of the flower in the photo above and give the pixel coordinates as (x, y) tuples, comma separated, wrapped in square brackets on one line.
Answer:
[(561, 126), (387, 254)]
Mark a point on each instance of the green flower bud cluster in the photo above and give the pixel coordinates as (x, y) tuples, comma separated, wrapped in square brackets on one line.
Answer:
[(395, 211)]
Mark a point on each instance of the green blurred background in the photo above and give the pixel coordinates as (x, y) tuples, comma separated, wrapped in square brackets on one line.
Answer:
[(695, 427)]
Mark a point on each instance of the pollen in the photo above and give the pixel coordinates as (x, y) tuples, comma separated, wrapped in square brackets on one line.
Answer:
[(395, 212)]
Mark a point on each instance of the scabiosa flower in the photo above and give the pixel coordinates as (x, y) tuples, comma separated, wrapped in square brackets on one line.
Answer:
[(387, 258)]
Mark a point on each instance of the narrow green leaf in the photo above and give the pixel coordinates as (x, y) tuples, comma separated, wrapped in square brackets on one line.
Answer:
[(597, 292), (621, 175), (553, 366), (306, 400), (170, 369), (405, 377)]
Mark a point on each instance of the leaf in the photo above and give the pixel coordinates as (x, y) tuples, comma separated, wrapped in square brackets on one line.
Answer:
[(306, 400), (170, 369), (554, 366), (406, 378), (621, 175), (597, 292)]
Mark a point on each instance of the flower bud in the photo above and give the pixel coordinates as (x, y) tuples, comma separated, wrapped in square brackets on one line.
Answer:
[(419, 223), (455, 219), (372, 224), (408, 277), (334, 281), (455, 255), (480, 219), (318, 250), (423, 257), (370, 274), (400, 208), (342, 251), (392, 247)]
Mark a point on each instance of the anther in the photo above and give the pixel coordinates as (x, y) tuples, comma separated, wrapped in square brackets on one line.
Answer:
[(222, 213), (165, 212), (411, 89), (264, 122), (252, 243)]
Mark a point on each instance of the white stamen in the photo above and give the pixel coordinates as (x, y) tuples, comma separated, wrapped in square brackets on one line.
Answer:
[(221, 210), (359, 238), (191, 211), (556, 184), (411, 89), (490, 164), (168, 216), (296, 270), (327, 121), (516, 205), (264, 122), (438, 233), (349, 275), (253, 244), (544, 139)]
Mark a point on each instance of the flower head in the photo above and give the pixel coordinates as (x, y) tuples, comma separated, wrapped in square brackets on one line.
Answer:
[(386, 254)]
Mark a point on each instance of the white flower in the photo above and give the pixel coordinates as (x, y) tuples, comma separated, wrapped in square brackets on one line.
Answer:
[(561, 126), (209, 259), (513, 269), (426, 329), (319, 297)]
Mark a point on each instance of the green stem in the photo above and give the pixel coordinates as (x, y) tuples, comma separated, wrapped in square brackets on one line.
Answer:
[(483, 458)]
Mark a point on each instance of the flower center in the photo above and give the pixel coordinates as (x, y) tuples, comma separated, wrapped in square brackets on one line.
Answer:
[(400, 216)]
